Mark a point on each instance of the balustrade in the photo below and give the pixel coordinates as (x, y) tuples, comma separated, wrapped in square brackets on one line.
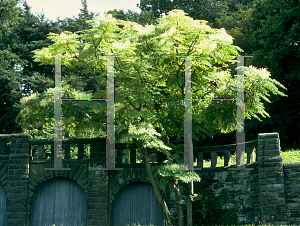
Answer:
[(98, 151)]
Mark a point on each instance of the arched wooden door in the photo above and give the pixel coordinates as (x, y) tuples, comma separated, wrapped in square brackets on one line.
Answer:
[(2, 205), (137, 204), (61, 202)]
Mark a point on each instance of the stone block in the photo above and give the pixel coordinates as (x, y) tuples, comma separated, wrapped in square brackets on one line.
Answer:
[(13, 166), (292, 182), (268, 149), (268, 195), (276, 217), (266, 159), (14, 190), (269, 152), (278, 201), (267, 181), (267, 209), (270, 169), (275, 187), (270, 164), (268, 141), (293, 206), (291, 173), (280, 208)]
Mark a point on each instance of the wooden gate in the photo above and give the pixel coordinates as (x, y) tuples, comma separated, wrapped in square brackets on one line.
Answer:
[(137, 204), (2, 205), (61, 202)]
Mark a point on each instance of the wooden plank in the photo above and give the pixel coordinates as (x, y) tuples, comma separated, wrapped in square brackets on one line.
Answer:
[(137, 204), (59, 202), (227, 156), (68, 141), (213, 157), (199, 159), (125, 146), (40, 151), (220, 148)]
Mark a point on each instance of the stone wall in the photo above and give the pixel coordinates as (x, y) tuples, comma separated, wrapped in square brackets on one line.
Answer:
[(267, 194)]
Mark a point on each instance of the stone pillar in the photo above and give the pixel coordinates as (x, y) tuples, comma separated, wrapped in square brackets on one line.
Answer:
[(97, 196), (271, 180), (18, 173)]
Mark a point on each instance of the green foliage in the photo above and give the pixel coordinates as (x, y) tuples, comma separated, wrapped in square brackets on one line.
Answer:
[(149, 84), (207, 210)]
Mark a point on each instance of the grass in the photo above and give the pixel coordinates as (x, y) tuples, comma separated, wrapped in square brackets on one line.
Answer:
[(201, 225)]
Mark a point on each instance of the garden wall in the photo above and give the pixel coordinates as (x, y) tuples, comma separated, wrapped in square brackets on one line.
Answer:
[(268, 193)]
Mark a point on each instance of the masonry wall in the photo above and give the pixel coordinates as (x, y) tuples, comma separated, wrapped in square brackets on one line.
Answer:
[(268, 194)]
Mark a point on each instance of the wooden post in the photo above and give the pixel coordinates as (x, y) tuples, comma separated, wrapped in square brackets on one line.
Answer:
[(132, 155), (199, 159), (119, 156), (67, 151), (213, 157), (250, 157), (256, 152), (52, 151), (40, 151), (80, 151), (2, 147), (227, 155)]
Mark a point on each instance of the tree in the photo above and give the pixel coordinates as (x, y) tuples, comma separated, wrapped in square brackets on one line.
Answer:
[(199, 10), (9, 80), (23, 32), (269, 31), (149, 84)]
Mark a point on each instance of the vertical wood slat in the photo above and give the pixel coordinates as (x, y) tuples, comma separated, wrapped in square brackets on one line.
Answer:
[(213, 157), (67, 151), (132, 156), (2, 147), (199, 159), (40, 151), (52, 151), (54, 198), (80, 151), (256, 152), (250, 157), (119, 156), (227, 156), (137, 204)]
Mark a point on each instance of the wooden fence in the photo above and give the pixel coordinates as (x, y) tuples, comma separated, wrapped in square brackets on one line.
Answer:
[(214, 151)]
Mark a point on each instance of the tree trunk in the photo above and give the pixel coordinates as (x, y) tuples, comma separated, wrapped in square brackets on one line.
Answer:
[(159, 198), (190, 205), (179, 206)]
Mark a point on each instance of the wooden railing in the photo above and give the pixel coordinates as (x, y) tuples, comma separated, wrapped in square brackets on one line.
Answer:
[(98, 151), (227, 150)]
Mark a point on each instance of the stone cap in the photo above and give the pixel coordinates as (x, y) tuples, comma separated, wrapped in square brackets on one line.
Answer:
[(268, 135), (15, 135)]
